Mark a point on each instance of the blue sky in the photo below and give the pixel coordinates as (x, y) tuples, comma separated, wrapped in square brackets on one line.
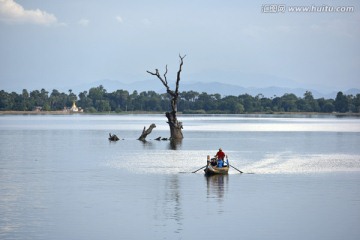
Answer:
[(54, 43)]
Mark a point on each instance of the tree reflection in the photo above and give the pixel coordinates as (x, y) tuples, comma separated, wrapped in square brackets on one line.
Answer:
[(174, 197), (172, 208), (175, 144), (147, 144)]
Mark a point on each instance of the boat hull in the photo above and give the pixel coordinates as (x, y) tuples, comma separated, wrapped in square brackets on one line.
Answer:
[(211, 170)]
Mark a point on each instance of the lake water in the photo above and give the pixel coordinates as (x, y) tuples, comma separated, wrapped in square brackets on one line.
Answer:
[(60, 178)]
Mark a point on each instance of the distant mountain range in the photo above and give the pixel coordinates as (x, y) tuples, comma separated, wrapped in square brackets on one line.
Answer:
[(209, 87)]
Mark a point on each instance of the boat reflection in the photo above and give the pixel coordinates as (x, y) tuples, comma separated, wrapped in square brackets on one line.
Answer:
[(217, 185)]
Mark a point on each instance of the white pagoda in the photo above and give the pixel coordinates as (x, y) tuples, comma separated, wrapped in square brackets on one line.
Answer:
[(74, 108)]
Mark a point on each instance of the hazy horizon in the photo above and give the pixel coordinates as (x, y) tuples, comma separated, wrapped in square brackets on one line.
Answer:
[(51, 44)]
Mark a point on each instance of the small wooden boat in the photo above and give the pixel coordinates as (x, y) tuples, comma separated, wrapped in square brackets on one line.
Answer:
[(212, 170)]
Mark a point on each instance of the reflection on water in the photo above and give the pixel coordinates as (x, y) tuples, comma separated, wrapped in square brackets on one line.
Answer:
[(147, 144), (172, 144), (217, 186), (175, 144), (231, 123), (173, 210), (168, 207)]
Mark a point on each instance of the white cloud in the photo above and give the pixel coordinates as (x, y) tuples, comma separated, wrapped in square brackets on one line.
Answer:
[(84, 22), (119, 19), (12, 12)]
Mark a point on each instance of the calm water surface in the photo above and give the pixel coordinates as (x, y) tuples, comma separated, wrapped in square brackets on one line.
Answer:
[(60, 178)]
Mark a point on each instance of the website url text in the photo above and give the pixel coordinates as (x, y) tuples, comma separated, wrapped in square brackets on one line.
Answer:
[(282, 8)]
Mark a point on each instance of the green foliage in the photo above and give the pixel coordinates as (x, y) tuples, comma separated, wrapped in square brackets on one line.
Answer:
[(341, 103), (97, 99), (91, 110)]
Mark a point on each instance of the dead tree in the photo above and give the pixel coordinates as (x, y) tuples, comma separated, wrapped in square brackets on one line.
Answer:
[(113, 137), (146, 132), (174, 124)]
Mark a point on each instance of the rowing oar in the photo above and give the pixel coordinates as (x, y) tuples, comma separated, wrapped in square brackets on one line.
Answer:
[(235, 168), (199, 169), (227, 159)]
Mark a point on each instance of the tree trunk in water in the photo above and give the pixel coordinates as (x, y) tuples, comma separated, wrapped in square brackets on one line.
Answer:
[(174, 124), (146, 132), (113, 137)]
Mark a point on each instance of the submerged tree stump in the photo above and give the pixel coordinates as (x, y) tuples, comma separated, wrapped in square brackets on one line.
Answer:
[(113, 137), (146, 132)]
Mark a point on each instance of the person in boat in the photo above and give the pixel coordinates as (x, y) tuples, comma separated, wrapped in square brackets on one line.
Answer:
[(220, 155), (213, 162)]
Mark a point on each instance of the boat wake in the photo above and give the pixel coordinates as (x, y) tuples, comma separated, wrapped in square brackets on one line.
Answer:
[(289, 163), (173, 162)]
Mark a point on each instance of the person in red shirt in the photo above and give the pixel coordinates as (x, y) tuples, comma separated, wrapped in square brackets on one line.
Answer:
[(220, 155)]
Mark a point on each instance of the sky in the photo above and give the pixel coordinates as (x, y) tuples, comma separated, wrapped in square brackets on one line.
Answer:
[(51, 44)]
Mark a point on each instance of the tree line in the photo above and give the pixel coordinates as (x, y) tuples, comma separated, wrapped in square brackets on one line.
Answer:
[(97, 99)]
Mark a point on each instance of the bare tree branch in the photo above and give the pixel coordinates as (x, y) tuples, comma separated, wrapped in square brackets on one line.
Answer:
[(165, 74), (178, 74), (164, 82), (157, 74)]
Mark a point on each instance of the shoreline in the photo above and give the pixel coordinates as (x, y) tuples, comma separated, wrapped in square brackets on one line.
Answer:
[(61, 112), (34, 113)]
